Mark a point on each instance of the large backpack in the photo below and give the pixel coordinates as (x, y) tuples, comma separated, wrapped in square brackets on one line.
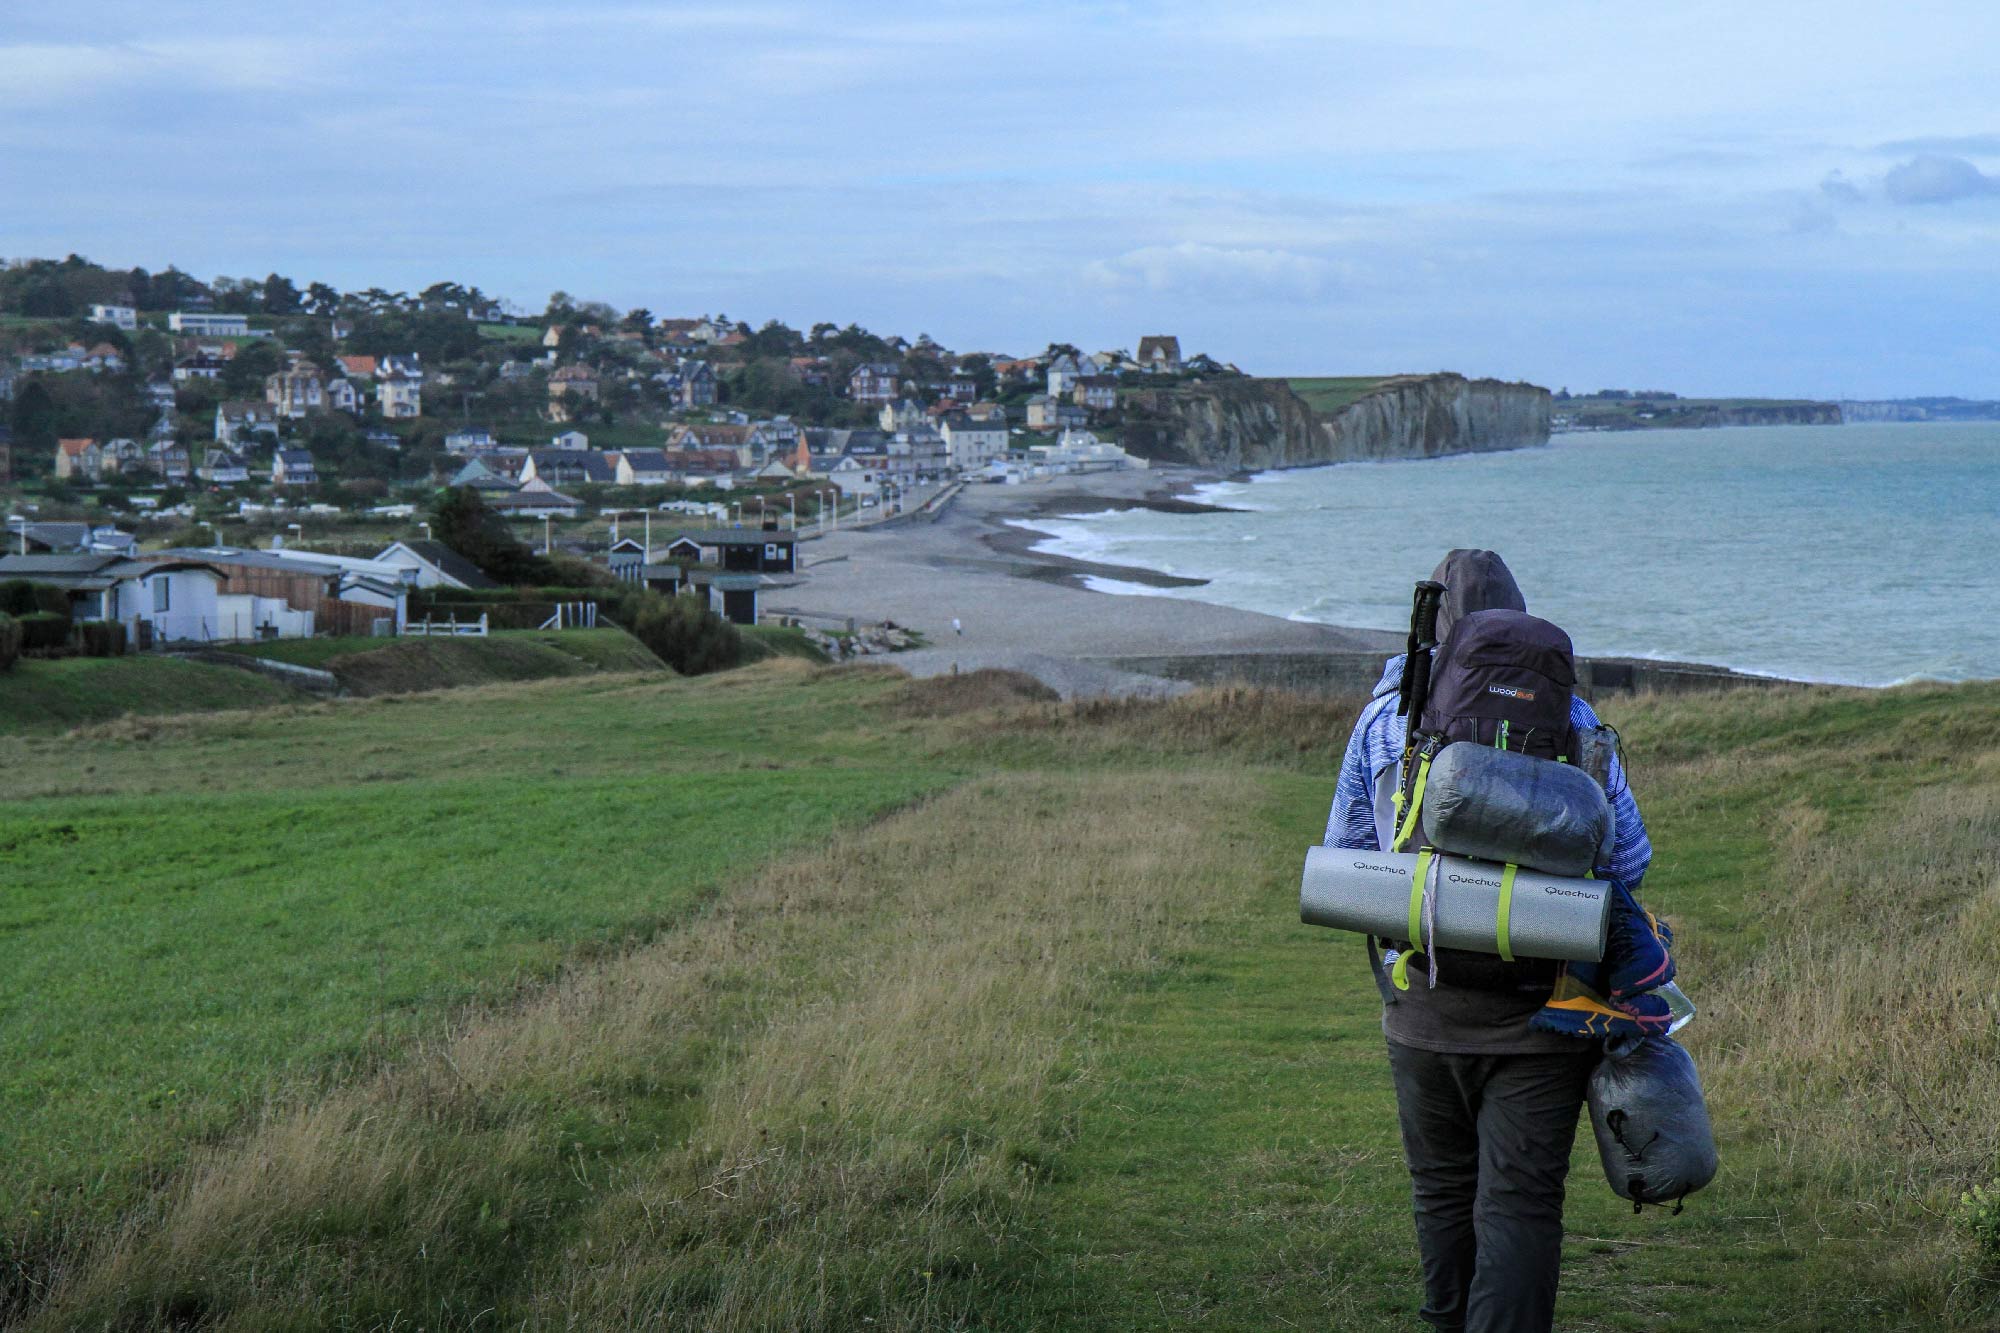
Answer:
[(1505, 679)]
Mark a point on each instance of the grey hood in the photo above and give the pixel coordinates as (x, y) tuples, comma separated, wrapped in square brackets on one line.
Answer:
[(1474, 581)]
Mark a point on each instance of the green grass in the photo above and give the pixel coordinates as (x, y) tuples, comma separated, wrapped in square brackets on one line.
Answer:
[(511, 333), (323, 886), (42, 696), (307, 652), (1328, 394), (378, 666), (780, 641), (587, 1001)]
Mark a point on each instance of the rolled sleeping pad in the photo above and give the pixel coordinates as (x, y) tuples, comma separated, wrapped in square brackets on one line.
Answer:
[(1651, 1121), (1548, 916), (1500, 806)]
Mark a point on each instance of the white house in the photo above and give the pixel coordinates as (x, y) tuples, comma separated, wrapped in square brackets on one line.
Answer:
[(974, 444), (643, 467), (208, 325), (293, 467), (222, 467), (570, 439), (175, 598), (118, 316), (470, 439), (1063, 374), (434, 565), (854, 477), (400, 396)]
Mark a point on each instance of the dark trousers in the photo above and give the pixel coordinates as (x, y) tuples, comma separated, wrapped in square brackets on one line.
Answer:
[(1487, 1138)]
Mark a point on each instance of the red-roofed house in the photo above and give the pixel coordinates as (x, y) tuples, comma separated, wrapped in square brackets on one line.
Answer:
[(79, 458)]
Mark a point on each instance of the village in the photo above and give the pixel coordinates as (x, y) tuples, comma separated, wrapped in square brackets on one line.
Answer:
[(257, 462)]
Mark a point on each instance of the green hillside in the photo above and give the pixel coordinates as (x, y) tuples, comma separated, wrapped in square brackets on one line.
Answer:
[(1327, 395), (797, 998)]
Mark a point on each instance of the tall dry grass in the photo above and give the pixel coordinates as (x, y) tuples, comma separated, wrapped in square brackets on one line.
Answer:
[(1863, 1039), (827, 1100)]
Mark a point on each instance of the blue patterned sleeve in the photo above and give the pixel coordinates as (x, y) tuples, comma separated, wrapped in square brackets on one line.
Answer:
[(1351, 822), (1633, 852)]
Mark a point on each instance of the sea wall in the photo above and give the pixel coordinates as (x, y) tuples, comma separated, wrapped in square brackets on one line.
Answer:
[(1350, 673), (1253, 424)]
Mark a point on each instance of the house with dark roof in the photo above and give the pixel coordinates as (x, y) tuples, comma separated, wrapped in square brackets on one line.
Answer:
[(642, 467), (1160, 352), (534, 501), (222, 467), (237, 419), (744, 550), (157, 600), (436, 565), (33, 537), (874, 382), (293, 467), (569, 467)]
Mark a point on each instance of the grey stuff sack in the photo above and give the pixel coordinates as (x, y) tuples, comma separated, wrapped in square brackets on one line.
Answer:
[(1651, 1122), (1500, 806)]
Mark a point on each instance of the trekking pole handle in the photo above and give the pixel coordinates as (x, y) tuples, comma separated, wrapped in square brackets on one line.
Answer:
[(1424, 609), (1424, 613)]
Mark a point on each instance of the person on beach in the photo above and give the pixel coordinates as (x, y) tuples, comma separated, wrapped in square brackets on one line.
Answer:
[(1487, 1102), (957, 628)]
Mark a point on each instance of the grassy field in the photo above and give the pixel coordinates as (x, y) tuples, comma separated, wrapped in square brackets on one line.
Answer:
[(786, 998), (42, 696), (380, 666), (1327, 395)]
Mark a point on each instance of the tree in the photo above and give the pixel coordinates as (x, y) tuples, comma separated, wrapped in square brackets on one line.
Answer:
[(34, 418), (638, 320), (686, 635), (243, 374), (461, 520), (280, 296), (322, 299)]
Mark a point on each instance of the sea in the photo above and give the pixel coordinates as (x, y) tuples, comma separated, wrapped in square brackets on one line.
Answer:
[(1863, 554)]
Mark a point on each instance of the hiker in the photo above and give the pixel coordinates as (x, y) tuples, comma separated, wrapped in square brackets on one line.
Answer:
[(957, 628), (1487, 1098)]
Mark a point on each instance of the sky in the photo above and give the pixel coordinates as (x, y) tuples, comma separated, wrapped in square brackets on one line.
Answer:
[(1779, 199)]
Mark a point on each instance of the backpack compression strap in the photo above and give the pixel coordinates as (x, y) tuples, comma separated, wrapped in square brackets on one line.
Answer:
[(1400, 974), (1411, 811)]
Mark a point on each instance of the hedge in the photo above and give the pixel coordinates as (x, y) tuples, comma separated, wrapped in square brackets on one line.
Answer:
[(102, 638), (19, 597), (10, 641), (43, 631)]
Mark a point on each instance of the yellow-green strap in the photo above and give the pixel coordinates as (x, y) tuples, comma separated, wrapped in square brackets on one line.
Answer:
[(1506, 911), (1415, 807), (1417, 899), (1400, 973)]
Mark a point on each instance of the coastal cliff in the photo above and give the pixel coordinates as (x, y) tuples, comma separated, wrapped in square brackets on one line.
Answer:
[(1252, 424)]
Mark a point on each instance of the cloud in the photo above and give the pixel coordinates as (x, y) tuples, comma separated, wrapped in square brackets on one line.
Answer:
[(1840, 189), (1979, 145), (1191, 267), (1935, 179)]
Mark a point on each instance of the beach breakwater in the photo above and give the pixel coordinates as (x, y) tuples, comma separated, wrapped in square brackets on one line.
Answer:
[(1257, 424)]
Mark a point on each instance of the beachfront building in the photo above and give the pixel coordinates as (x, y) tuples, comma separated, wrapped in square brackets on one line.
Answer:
[(973, 443)]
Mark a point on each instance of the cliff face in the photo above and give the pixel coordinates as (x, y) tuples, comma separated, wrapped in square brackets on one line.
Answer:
[(1257, 423)]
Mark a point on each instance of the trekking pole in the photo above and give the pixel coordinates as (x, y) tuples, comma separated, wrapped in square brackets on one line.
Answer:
[(1415, 688)]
